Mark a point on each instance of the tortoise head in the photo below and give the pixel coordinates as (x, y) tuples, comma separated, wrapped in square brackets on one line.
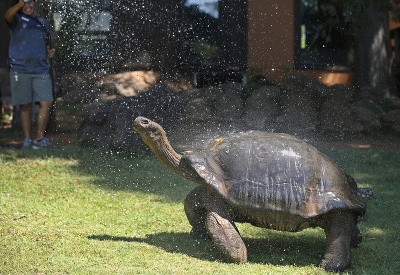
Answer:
[(150, 131), (154, 137)]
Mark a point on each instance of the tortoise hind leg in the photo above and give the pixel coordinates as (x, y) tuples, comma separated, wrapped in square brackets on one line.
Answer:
[(196, 213), (341, 232), (356, 237), (226, 237)]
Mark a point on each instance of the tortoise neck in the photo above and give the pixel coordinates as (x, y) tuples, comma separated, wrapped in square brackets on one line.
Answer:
[(165, 153)]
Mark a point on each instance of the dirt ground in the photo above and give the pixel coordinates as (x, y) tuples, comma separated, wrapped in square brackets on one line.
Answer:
[(61, 132)]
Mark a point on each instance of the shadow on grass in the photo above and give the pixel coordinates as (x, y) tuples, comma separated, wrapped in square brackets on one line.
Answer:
[(274, 249), (114, 171)]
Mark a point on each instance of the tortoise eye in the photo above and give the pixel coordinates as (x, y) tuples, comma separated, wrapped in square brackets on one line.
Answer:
[(145, 122)]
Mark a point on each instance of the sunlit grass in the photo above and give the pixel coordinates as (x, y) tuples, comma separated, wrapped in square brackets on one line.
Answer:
[(86, 211)]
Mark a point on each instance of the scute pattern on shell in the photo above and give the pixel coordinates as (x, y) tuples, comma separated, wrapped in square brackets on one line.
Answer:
[(277, 172)]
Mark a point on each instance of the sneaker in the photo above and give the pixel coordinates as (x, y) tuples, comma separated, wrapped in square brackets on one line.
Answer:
[(27, 144), (44, 143)]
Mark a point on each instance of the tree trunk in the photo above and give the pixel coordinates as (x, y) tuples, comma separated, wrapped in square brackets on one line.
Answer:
[(373, 52)]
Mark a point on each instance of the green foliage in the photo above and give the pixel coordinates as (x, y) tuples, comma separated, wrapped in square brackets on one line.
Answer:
[(343, 16), (387, 104), (206, 50), (86, 211)]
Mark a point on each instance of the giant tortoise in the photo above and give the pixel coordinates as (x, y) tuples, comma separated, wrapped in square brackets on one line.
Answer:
[(270, 180)]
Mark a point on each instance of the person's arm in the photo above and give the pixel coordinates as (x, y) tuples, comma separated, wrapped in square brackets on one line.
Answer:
[(51, 52), (13, 10)]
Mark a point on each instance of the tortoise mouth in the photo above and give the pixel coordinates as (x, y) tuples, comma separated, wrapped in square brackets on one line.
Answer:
[(140, 123)]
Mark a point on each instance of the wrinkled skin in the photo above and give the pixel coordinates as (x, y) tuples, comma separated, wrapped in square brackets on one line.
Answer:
[(269, 180)]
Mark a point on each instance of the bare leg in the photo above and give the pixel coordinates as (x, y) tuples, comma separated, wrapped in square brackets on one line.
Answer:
[(226, 237), (43, 118), (25, 117), (339, 229)]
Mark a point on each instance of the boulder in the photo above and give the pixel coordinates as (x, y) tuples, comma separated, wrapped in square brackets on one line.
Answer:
[(311, 86), (261, 109), (392, 120), (197, 109), (132, 83), (110, 125), (77, 95), (214, 112), (71, 83), (299, 115), (193, 133), (366, 113), (228, 107), (301, 106), (231, 87), (336, 114)]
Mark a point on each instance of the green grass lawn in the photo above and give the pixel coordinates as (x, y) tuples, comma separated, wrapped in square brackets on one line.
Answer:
[(86, 211)]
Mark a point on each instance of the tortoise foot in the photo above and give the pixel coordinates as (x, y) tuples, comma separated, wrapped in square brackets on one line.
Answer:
[(332, 264), (226, 237)]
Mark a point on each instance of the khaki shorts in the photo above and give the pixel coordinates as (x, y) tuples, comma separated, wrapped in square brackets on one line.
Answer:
[(27, 88)]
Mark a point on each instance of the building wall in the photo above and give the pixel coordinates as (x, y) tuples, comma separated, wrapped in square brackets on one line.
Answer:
[(270, 36)]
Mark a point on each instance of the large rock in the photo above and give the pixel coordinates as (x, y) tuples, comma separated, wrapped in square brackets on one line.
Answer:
[(79, 95), (261, 109), (299, 112), (300, 106), (207, 118), (192, 133), (132, 83), (308, 85), (197, 109), (336, 114), (228, 107), (392, 120), (110, 125), (366, 113)]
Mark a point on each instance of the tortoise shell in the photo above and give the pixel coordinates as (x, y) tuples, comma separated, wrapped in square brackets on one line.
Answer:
[(276, 172)]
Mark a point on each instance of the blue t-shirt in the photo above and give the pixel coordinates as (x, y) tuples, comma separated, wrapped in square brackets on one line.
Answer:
[(27, 51)]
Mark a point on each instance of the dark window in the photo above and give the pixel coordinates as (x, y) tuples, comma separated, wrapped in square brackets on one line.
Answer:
[(322, 36), (200, 32), (213, 35)]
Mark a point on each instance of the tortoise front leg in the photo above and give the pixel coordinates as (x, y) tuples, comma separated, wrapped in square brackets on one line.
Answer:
[(226, 236), (196, 213), (340, 229)]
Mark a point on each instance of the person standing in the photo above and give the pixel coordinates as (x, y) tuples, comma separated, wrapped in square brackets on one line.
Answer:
[(29, 50)]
